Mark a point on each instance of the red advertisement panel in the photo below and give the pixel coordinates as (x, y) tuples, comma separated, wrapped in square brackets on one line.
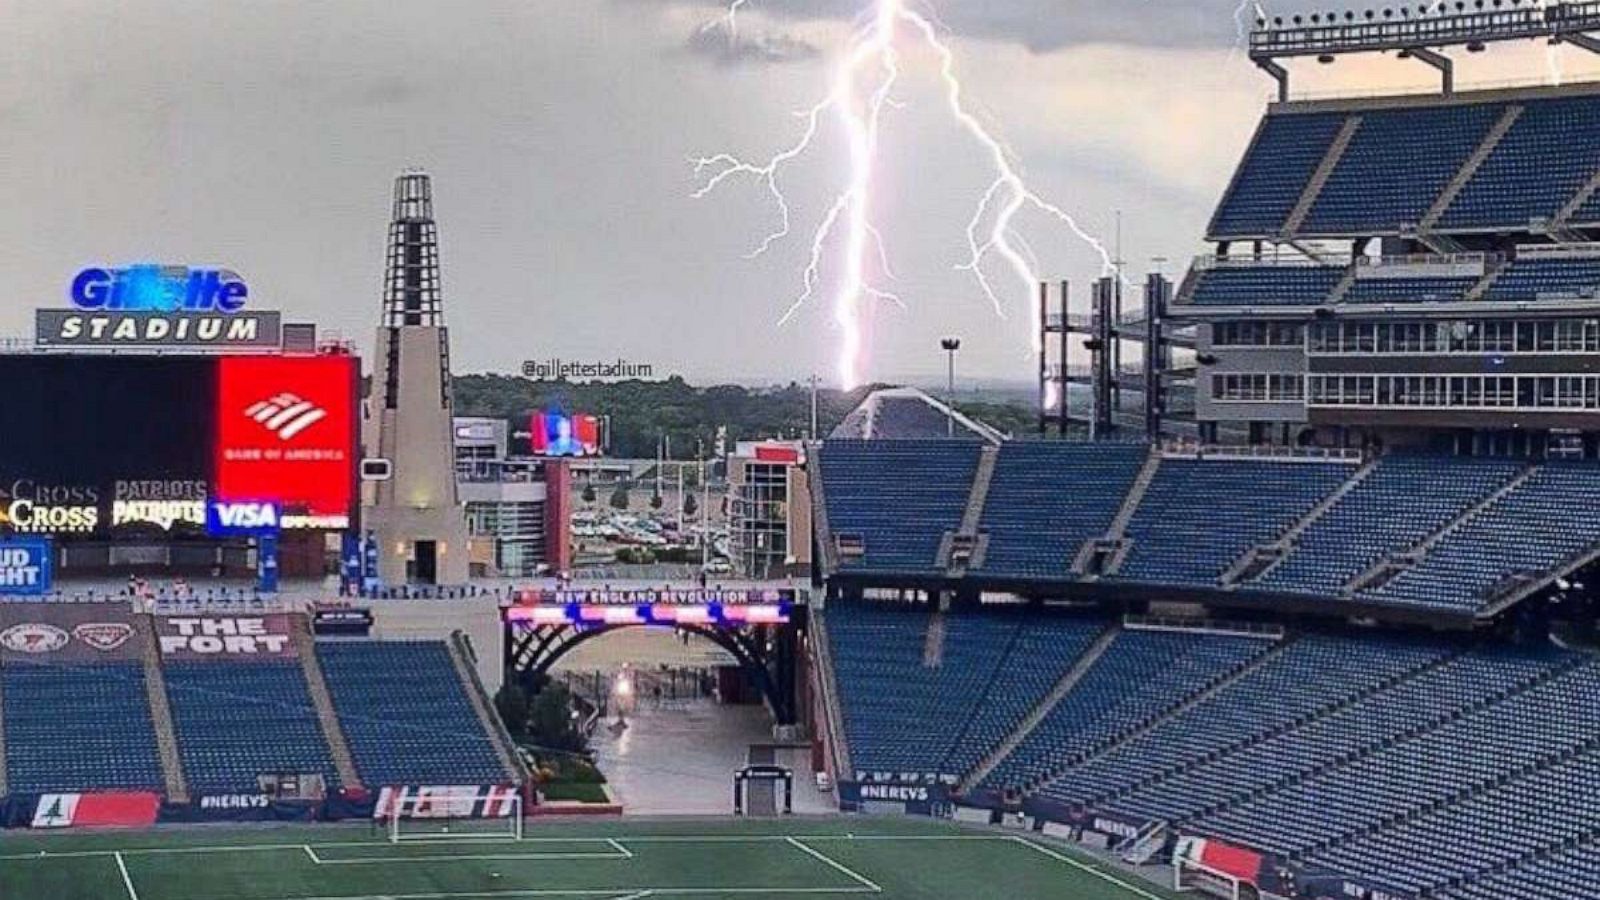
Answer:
[(88, 810), (285, 432), (777, 453)]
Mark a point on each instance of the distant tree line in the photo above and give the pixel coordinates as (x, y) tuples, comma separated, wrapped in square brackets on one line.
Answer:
[(641, 412)]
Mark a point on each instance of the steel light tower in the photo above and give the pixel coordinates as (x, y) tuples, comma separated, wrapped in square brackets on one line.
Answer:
[(950, 346)]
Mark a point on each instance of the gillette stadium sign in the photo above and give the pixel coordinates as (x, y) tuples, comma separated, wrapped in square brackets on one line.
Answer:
[(153, 305)]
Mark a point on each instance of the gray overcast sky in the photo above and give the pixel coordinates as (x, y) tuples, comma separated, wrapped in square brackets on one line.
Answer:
[(263, 135)]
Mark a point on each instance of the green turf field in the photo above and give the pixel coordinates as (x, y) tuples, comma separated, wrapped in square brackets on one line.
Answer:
[(615, 860)]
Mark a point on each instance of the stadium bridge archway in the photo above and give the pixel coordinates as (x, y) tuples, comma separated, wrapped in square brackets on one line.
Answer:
[(767, 652)]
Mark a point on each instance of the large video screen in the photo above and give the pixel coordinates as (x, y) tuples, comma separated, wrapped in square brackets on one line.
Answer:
[(555, 433), (103, 444)]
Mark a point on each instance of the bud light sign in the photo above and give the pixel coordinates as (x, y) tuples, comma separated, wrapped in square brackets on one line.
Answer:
[(24, 567)]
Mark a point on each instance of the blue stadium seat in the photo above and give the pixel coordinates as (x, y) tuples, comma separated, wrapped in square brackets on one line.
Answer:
[(406, 714), (1531, 730), (1047, 498), (899, 496), (938, 721), (1199, 515), (1397, 165), (239, 720), (1451, 289), (79, 727), (1558, 875), (1401, 501), (1141, 675), (1265, 285), (1535, 169), (1431, 698), (1537, 278), (1529, 531), (1286, 151), (1310, 676)]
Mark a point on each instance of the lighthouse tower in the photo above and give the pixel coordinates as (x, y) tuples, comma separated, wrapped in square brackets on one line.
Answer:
[(415, 517)]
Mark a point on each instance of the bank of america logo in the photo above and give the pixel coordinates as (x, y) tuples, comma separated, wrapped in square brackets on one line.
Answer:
[(286, 415)]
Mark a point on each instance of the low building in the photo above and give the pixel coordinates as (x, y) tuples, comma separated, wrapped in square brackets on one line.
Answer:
[(769, 510), (518, 508)]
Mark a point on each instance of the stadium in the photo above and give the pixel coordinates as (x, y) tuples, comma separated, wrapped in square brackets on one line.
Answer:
[(1328, 631)]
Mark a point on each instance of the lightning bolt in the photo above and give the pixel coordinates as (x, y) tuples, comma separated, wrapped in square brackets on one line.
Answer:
[(1239, 28), (862, 82)]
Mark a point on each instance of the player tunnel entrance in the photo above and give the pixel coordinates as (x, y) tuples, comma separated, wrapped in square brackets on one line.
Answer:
[(764, 638)]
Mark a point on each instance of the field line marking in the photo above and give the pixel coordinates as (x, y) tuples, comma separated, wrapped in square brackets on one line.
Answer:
[(626, 853), (636, 895), (607, 893), (127, 880), (836, 865), (311, 853), (638, 839), (1085, 867), (457, 857)]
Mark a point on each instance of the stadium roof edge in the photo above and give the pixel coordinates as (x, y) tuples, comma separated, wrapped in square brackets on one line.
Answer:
[(1433, 99)]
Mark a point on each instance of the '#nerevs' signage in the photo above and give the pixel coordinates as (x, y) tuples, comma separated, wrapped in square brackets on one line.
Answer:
[(912, 799), (24, 566), (158, 305)]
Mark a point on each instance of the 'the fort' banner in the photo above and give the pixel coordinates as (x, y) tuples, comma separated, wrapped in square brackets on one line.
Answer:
[(226, 637)]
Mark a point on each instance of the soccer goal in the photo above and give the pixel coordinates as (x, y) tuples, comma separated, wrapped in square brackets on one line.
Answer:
[(440, 814), (1189, 876)]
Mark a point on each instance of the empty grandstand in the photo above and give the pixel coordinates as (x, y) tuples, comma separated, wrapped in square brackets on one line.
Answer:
[(1402, 536), (1354, 658), (110, 699), (1333, 751)]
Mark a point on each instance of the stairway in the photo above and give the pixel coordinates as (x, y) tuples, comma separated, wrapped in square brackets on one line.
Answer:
[(1343, 287), (973, 514), (1416, 553), (1113, 540), (1245, 569), (1150, 840), (317, 686), (1330, 161), (1470, 167), (933, 642), (1246, 740), (1418, 729), (1062, 688), (487, 717), (1154, 721), (1572, 206), (5, 788), (829, 561), (155, 687), (1547, 761), (964, 548), (822, 652), (1491, 274)]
